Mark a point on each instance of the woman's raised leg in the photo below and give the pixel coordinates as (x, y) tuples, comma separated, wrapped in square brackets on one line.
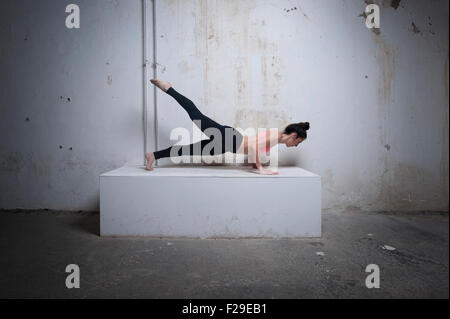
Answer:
[(201, 120), (194, 113)]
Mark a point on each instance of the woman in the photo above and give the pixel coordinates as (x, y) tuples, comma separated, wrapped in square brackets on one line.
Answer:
[(292, 135)]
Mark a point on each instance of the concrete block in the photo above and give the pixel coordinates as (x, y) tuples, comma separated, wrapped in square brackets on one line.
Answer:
[(210, 202)]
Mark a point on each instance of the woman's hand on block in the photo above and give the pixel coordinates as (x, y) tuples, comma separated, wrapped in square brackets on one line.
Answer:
[(264, 171)]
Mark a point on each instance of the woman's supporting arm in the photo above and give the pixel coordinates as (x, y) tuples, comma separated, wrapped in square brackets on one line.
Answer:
[(258, 164)]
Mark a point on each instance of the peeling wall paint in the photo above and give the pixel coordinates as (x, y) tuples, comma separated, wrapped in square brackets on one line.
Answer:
[(271, 67)]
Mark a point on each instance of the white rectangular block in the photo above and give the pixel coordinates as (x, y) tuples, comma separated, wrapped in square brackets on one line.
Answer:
[(210, 202)]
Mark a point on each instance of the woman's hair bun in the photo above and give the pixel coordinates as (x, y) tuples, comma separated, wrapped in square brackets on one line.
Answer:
[(304, 125), (298, 128)]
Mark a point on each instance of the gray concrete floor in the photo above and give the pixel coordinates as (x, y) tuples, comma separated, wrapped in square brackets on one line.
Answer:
[(36, 247)]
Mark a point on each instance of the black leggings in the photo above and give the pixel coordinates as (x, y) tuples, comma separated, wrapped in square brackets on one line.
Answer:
[(229, 139)]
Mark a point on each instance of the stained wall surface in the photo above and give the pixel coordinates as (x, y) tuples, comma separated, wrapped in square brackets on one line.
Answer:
[(377, 100), (71, 100)]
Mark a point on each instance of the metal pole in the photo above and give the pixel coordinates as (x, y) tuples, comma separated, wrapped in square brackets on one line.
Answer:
[(145, 62), (155, 76)]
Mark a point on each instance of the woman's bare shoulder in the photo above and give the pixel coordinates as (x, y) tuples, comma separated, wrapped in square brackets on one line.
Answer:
[(272, 131), (263, 132)]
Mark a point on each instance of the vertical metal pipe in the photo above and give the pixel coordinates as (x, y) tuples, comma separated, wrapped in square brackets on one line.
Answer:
[(145, 62), (154, 64), (155, 76)]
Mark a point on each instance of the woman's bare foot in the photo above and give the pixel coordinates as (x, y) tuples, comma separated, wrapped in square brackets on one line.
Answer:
[(163, 85), (150, 159)]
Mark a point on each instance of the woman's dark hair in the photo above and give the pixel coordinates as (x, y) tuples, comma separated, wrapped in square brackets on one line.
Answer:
[(299, 128)]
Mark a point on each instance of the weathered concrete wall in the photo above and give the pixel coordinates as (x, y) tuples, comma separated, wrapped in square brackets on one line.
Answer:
[(377, 102), (70, 100)]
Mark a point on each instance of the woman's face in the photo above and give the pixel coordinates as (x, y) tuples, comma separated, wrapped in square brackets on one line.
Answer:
[(293, 140)]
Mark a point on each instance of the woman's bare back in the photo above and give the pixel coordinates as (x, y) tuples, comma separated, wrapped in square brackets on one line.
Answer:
[(264, 140)]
